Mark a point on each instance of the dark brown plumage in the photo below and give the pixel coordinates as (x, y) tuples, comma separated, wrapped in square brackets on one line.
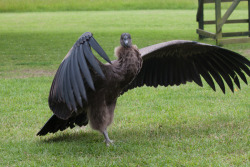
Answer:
[(85, 91)]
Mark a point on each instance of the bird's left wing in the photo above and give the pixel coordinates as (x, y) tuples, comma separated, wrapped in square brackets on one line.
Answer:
[(177, 62), (68, 91)]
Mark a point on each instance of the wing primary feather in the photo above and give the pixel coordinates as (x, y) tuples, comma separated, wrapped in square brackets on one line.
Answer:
[(236, 56), (222, 71), (186, 75), (79, 78), (84, 68), (207, 77), (195, 75), (146, 69), (94, 44), (188, 72), (204, 73), (233, 66), (62, 78), (91, 59), (69, 87), (65, 90), (155, 74), (214, 73), (166, 72), (181, 71), (177, 78), (54, 92), (226, 66), (170, 72), (239, 60), (148, 74), (142, 75), (236, 81), (59, 81), (160, 75), (74, 77)]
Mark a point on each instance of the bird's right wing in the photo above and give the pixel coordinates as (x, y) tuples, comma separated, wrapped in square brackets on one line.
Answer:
[(177, 62), (68, 91)]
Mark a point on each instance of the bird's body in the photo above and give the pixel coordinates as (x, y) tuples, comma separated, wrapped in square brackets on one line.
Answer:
[(86, 91), (121, 72)]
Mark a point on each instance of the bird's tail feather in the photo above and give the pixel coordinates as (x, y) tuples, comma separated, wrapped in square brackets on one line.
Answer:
[(54, 123), (51, 126)]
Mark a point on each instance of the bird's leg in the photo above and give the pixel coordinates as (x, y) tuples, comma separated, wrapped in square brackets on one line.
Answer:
[(107, 140)]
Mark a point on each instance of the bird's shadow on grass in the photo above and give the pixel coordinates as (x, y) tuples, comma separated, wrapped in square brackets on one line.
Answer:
[(128, 135), (128, 140), (71, 137)]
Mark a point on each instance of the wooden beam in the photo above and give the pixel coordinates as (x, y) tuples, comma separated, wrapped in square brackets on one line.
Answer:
[(212, 1), (232, 40), (234, 34), (227, 14), (205, 33), (228, 21)]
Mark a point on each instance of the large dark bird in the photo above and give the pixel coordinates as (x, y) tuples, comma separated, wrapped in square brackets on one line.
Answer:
[(86, 90)]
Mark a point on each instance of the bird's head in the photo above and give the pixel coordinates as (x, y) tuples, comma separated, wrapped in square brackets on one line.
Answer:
[(126, 40)]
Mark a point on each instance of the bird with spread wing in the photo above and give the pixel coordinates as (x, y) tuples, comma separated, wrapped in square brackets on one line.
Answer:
[(84, 90)]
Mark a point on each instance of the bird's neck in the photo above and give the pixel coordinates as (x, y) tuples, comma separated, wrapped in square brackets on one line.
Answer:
[(122, 53), (129, 62)]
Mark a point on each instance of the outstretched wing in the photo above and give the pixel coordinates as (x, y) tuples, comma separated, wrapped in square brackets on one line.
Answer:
[(68, 91), (177, 62)]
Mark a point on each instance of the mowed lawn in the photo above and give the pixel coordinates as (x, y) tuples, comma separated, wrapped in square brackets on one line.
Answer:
[(174, 126), (101, 5)]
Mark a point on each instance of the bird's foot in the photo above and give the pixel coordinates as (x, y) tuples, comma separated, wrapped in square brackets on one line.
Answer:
[(109, 142)]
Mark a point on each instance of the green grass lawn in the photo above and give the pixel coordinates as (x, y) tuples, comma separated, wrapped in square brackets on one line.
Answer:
[(93, 5), (173, 126)]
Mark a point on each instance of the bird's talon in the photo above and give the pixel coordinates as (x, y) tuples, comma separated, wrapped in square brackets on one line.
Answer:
[(109, 142)]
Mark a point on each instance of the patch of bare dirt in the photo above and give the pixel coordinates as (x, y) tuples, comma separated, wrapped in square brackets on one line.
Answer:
[(28, 73), (247, 52)]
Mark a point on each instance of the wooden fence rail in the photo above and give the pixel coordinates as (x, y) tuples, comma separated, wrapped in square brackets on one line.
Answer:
[(220, 21)]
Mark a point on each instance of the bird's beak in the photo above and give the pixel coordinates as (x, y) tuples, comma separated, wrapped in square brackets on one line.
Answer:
[(126, 42)]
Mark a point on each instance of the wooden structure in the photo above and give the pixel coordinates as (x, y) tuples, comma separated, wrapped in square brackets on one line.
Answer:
[(220, 21)]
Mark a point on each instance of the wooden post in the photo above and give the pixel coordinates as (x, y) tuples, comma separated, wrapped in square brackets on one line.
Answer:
[(217, 20), (200, 16), (249, 16)]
